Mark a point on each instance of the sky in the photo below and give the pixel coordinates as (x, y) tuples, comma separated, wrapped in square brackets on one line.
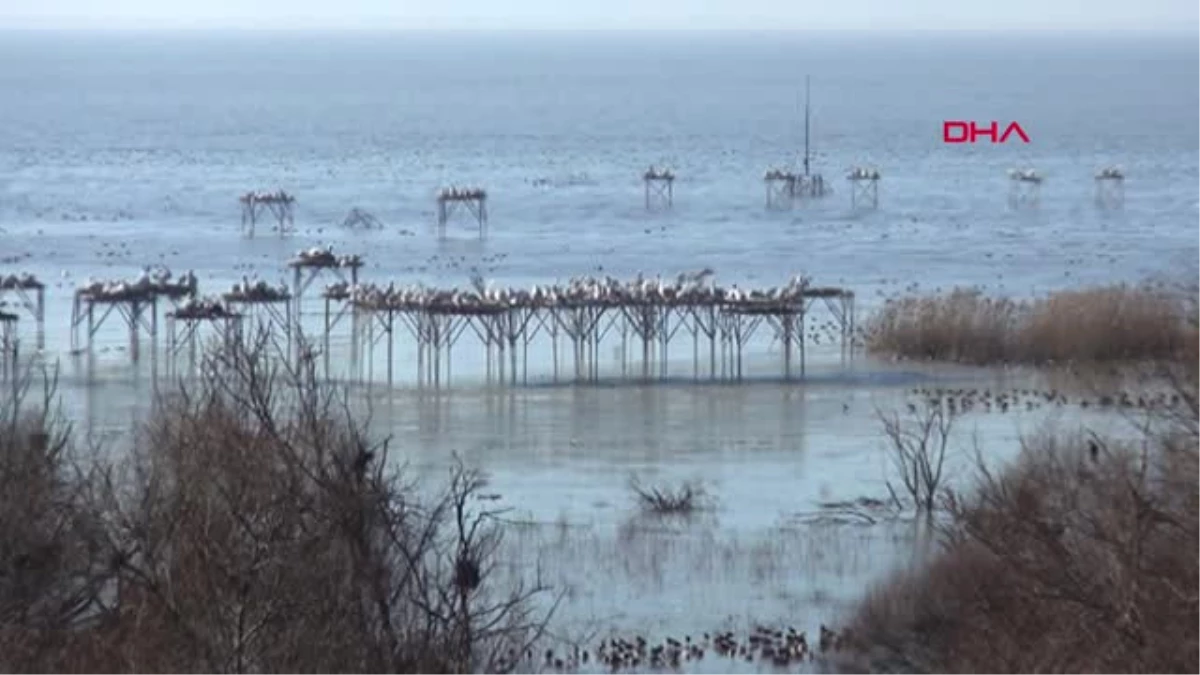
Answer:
[(1053, 15)]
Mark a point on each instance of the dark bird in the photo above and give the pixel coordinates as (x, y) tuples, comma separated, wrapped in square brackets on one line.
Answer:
[(364, 458), (1094, 450)]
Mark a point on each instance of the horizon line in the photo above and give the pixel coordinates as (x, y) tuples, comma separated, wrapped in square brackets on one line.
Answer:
[(973, 30)]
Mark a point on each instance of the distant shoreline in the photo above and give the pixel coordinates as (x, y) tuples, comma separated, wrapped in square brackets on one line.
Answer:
[(1054, 35)]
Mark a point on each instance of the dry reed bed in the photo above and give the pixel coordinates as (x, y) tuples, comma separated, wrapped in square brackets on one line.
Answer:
[(1081, 557), (1120, 323)]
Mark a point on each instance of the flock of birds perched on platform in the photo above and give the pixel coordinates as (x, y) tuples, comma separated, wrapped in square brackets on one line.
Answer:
[(1110, 172), (779, 648), (150, 283), (279, 196), (24, 280), (202, 309), (323, 257), (249, 290), (461, 193), (779, 174), (656, 173), (688, 289), (861, 173)]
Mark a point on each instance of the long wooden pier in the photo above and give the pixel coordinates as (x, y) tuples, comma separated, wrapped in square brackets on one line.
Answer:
[(646, 324), (646, 330)]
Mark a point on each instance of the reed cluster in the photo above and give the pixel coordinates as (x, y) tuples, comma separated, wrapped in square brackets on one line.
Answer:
[(1120, 323)]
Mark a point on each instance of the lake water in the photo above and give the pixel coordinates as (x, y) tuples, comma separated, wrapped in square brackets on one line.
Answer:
[(123, 150)]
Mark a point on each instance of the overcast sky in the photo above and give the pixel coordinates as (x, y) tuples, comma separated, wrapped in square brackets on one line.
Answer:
[(605, 14)]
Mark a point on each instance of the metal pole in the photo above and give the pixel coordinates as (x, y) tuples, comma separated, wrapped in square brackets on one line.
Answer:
[(806, 124)]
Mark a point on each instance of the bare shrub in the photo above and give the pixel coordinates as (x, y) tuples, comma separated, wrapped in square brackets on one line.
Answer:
[(53, 569), (1081, 558), (917, 450), (684, 499), (1110, 324), (257, 526)]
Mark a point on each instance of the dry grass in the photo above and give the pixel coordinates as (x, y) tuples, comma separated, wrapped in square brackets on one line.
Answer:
[(1110, 324), (1081, 558)]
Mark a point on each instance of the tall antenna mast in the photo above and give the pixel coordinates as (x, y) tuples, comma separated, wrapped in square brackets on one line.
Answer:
[(806, 118)]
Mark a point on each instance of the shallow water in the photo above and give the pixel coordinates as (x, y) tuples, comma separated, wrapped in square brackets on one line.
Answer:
[(771, 456)]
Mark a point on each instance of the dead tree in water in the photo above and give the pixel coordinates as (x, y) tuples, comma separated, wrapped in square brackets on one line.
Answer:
[(917, 448)]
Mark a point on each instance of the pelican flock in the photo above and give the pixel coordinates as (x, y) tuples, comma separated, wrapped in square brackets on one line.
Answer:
[(461, 193), (324, 257), (25, 280), (150, 282), (202, 309), (656, 173), (248, 290), (861, 173), (688, 289), (279, 196)]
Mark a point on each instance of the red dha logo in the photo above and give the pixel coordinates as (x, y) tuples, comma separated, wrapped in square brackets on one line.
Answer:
[(969, 132)]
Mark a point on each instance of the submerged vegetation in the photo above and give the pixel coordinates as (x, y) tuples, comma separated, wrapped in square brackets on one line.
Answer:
[(1118, 323), (665, 500)]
